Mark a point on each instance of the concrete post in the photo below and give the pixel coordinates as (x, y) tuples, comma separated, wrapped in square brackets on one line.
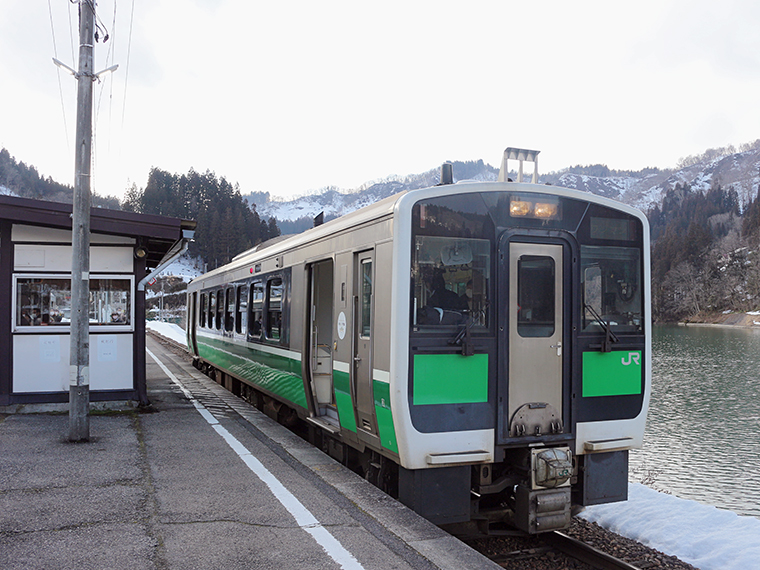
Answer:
[(79, 369)]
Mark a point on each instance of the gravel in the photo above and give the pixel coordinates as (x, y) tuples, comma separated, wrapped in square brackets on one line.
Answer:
[(529, 553)]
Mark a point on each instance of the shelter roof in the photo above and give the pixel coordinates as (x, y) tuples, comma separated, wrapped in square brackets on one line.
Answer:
[(157, 234)]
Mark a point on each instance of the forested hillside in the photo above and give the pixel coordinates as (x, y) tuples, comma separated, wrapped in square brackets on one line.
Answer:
[(226, 224), (705, 257), (24, 181)]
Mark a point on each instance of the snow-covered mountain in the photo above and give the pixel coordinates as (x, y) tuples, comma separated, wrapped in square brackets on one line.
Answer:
[(643, 189), (740, 170)]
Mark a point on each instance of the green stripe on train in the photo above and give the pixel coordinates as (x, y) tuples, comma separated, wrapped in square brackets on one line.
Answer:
[(450, 379), (277, 374), (616, 373), (382, 392), (342, 387)]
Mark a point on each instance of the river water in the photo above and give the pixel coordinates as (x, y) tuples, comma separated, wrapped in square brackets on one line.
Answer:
[(702, 440)]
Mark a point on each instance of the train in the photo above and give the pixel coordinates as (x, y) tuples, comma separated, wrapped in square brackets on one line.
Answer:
[(481, 351)]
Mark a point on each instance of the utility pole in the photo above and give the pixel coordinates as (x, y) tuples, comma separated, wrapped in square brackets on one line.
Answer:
[(79, 361)]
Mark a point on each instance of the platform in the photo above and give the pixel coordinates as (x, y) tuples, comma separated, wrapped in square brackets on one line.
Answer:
[(204, 481)]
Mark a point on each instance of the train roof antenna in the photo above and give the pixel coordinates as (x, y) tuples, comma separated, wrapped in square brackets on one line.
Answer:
[(520, 155)]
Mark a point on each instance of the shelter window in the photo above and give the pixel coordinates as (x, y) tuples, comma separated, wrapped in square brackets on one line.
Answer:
[(110, 301), (274, 309), (46, 301), (241, 316)]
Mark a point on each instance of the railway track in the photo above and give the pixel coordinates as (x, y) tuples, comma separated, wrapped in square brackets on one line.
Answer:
[(586, 553), (553, 549)]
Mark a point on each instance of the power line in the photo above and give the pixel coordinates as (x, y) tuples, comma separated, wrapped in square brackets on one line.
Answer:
[(60, 86), (126, 74)]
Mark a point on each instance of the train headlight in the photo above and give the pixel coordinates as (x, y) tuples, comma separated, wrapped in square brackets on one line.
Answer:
[(524, 206), (519, 208), (551, 467), (545, 211)]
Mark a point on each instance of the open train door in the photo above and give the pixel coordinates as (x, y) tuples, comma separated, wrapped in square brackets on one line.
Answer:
[(320, 358)]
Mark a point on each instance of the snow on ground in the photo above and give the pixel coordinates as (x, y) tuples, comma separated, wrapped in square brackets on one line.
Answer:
[(184, 267), (704, 536), (169, 330)]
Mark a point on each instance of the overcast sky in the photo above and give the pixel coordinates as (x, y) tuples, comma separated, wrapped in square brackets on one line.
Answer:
[(292, 96)]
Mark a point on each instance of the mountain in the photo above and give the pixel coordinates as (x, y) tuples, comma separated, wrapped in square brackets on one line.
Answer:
[(294, 216), (643, 189)]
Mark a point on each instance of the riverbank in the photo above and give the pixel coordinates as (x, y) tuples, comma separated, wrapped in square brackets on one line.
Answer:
[(741, 320)]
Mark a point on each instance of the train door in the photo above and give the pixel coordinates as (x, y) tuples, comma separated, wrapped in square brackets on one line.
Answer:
[(320, 363), (362, 340), (535, 334)]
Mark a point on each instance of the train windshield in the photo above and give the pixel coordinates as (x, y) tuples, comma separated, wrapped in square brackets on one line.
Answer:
[(450, 282), (611, 286), (451, 264)]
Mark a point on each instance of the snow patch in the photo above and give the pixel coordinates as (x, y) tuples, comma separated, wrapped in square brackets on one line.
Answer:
[(702, 535)]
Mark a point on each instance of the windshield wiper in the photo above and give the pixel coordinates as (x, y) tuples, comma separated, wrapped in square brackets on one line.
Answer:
[(609, 337), (463, 337)]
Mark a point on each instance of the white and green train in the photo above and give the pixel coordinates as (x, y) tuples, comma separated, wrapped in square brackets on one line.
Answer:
[(480, 350)]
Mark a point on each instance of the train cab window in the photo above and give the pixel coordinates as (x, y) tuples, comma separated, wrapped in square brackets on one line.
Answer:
[(241, 314), (219, 309), (450, 283), (535, 296), (202, 312), (274, 309), (257, 309), (229, 310), (211, 309), (611, 288)]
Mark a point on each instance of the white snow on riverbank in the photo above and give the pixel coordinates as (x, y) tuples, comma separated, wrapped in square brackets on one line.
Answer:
[(704, 536)]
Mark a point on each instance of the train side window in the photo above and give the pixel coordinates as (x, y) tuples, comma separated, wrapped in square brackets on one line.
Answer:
[(241, 315), (229, 310), (366, 298), (257, 309), (535, 296), (211, 309), (219, 309), (274, 309), (202, 312)]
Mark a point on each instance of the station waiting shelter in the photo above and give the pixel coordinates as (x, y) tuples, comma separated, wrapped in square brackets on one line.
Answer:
[(126, 251)]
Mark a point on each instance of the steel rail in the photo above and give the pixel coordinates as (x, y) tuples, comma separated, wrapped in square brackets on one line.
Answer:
[(585, 553)]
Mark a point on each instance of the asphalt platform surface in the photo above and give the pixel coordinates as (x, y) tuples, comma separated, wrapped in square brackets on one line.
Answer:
[(203, 481)]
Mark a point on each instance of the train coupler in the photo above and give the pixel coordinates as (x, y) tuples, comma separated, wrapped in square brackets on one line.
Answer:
[(542, 510)]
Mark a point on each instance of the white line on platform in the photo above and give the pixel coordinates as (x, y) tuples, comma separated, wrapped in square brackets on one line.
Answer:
[(303, 516)]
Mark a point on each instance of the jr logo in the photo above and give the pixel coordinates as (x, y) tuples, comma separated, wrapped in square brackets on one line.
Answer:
[(633, 357)]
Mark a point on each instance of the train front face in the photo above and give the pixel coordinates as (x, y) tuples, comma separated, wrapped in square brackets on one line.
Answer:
[(528, 353)]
